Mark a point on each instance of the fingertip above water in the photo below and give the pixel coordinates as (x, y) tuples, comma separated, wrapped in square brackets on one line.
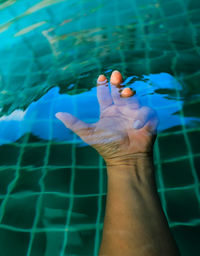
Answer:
[(116, 78), (101, 78), (127, 92)]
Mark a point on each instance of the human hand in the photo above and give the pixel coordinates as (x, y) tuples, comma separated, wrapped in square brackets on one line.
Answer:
[(124, 131)]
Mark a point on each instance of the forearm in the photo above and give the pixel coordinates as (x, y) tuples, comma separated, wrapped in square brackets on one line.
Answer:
[(134, 221)]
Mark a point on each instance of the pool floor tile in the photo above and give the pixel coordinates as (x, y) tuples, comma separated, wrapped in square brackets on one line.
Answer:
[(87, 156), (20, 212), (81, 243), (47, 243), (27, 182), (182, 205), (177, 174), (172, 146), (9, 154), (86, 181), (13, 243), (33, 156), (58, 180), (60, 155), (6, 177), (53, 211)]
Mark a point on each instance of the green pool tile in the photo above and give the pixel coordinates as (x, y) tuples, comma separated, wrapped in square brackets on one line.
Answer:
[(75, 244), (177, 174), (192, 110), (81, 243), (193, 5), (47, 243), (171, 8), (149, 12), (53, 211), (197, 166), (19, 68), (13, 243), (194, 138), (138, 67), (172, 146), (6, 176), (162, 64), (20, 212), (84, 210), (86, 181), (180, 21), (39, 244), (33, 156), (194, 18), (87, 156), (58, 180), (182, 205), (60, 155), (9, 154), (184, 60), (27, 182), (192, 83), (138, 54), (159, 44), (187, 238)]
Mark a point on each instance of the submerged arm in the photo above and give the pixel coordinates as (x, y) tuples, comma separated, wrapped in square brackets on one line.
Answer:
[(134, 223)]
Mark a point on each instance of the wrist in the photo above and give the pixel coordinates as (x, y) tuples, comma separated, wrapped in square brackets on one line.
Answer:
[(129, 159), (137, 170)]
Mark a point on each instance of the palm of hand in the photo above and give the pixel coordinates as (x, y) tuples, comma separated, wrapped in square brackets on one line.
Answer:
[(114, 136)]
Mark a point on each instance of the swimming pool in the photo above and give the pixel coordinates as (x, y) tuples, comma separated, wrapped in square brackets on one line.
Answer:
[(53, 187)]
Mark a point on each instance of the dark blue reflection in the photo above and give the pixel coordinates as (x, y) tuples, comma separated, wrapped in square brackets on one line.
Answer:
[(39, 118)]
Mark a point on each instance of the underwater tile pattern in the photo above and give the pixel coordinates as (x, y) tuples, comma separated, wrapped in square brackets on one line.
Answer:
[(53, 194)]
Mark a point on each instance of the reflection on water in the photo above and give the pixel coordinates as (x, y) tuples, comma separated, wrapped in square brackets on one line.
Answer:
[(39, 117), (46, 43)]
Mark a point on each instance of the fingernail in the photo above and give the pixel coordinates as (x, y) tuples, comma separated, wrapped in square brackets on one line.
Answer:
[(137, 124), (127, 92), (116, 78), (102, 80)]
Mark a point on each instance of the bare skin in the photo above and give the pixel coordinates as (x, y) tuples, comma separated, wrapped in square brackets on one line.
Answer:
[(134, 223)]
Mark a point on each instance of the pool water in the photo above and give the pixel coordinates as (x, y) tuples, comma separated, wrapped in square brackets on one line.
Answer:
[(53, 186)]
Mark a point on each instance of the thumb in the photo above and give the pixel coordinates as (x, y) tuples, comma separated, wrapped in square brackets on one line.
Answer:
[(77, 126)]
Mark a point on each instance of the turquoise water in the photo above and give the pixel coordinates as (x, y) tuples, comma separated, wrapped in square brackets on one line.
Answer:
[(53, 187)]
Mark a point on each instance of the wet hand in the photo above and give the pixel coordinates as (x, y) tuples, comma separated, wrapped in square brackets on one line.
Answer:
[(125, 129)]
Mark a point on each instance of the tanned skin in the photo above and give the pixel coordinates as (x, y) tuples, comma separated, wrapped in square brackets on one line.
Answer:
[(134, 223)]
